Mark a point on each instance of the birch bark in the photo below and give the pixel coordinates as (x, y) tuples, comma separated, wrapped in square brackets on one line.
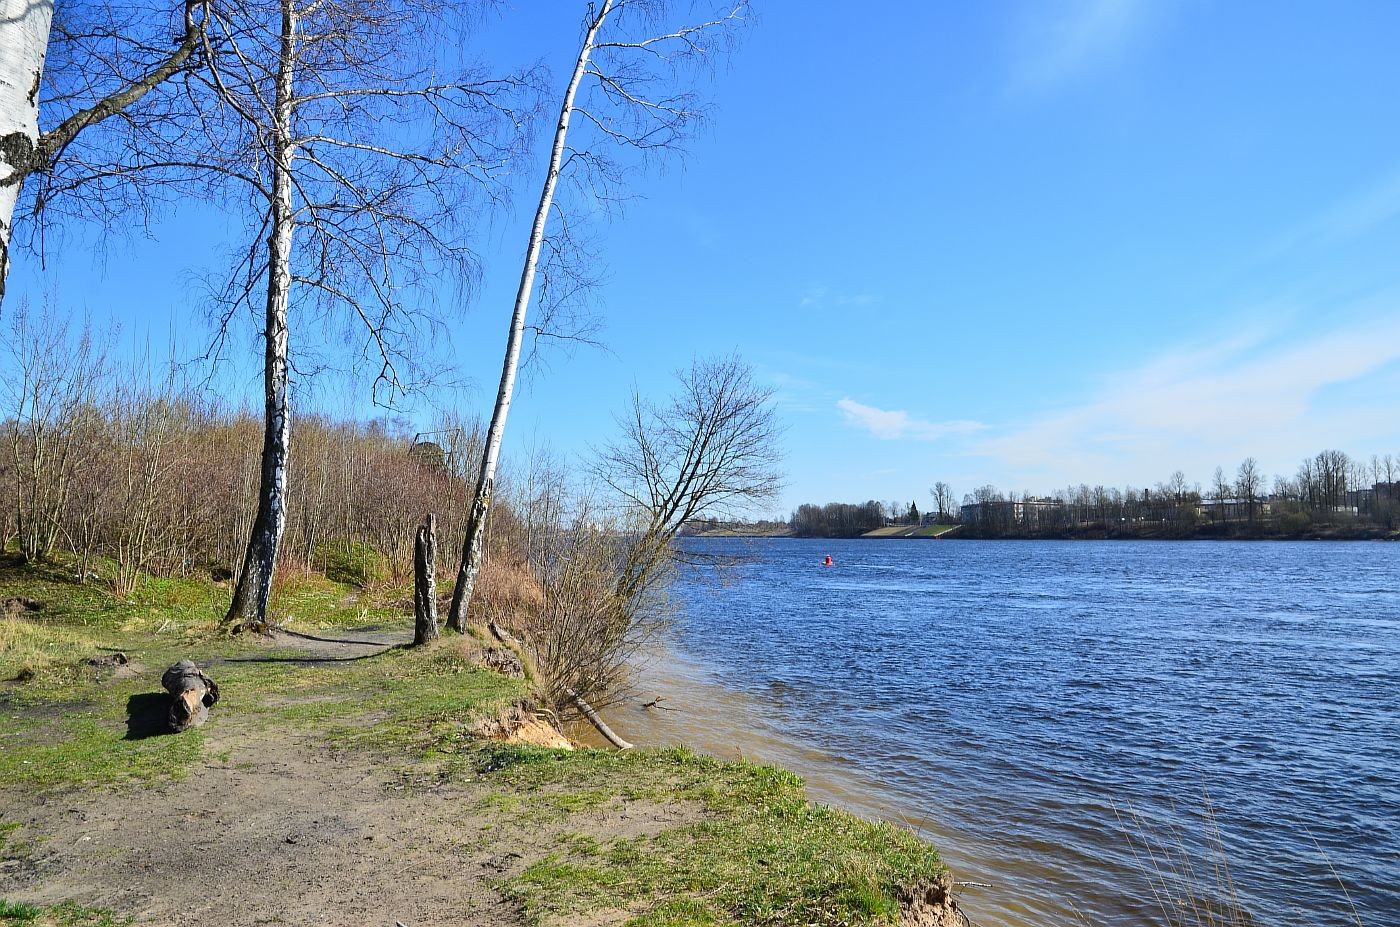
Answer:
[(248, 611), (473, 547), (24, 39)]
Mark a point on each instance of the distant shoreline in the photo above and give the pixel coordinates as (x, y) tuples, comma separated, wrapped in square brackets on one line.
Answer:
[(954, 534)]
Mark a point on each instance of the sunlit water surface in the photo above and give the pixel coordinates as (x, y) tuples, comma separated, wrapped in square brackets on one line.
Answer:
[(1037, 708)]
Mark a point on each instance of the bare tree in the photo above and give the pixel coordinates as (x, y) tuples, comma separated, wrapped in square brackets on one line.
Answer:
[(51, 387), (943, 499), (1221, 492), (1248, 484), (622, 86), (1330, 471), (711, 451), (357, 221)]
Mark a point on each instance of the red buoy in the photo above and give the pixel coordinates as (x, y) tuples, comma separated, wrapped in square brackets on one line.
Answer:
[(827, 562)]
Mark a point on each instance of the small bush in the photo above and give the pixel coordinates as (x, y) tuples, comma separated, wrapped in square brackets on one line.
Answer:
[(1295, 523)]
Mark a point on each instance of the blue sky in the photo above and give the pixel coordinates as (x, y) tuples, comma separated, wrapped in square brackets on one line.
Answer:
[(1025, 244)]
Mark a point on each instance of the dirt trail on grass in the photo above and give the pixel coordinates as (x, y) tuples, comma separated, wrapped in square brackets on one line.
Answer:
[(274, 827)]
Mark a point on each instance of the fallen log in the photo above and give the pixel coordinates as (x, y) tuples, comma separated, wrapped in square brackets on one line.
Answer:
[(597, 721), (192, 694)]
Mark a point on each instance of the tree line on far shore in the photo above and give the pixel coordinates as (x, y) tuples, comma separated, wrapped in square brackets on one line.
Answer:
[(1331, 494)]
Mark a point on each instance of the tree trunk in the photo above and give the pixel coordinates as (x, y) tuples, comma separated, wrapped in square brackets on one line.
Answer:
[(472, 548), (24, 39), (596, 720), (425, 617), (248, 610)]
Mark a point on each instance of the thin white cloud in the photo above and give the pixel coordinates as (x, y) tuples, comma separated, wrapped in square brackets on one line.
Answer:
[(823, 297), (1363, 212), (1059, 42), (893, 425), (1350, 218), (1197, 408)]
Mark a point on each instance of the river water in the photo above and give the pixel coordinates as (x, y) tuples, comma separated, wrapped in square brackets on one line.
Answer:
[(1073, 723)]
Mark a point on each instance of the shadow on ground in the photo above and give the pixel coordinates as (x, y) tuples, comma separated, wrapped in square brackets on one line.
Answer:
[(147, 715)]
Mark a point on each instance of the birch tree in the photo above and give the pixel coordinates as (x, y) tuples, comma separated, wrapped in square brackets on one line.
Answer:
[(623, 86), (102, 72), (24, 39), (359, 165)]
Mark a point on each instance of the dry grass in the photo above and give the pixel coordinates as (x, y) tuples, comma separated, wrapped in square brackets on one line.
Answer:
[(506, 591), (1189, 877), (29, 649)]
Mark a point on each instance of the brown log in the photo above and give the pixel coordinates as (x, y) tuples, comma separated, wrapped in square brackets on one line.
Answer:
[(192, 694), (425, 617)]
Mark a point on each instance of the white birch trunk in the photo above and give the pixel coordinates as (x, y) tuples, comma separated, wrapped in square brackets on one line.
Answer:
[(250, 598), (24, 39), (473, 547)]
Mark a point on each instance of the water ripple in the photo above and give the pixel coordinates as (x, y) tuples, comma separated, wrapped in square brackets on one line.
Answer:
[(1037, 706)]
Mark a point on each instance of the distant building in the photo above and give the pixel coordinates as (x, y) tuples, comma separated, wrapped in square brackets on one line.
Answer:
[(1231, 509), (1024, 513)]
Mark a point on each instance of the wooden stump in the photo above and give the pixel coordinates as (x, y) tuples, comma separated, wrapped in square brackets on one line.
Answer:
[(192, 694), (425, 617)]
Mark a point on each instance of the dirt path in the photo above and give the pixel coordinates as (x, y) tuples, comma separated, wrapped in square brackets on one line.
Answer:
[(273, 827), (283, 832)]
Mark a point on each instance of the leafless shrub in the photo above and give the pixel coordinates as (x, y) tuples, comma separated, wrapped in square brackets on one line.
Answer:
[(55, 376), (581, 631), (509, 593), (605, 567), (132, 473)]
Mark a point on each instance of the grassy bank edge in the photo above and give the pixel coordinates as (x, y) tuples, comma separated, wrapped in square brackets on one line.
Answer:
[(751, 850)]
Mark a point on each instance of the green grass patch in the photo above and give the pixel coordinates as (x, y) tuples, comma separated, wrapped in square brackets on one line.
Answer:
[(15, 912), (312, 602), (67, 914), (65, 722), (751, 849), (909, 531), (356, 564), (933, 531), (761, 854), (192, 604), (88, 750), (32, 650), (419, 699)]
